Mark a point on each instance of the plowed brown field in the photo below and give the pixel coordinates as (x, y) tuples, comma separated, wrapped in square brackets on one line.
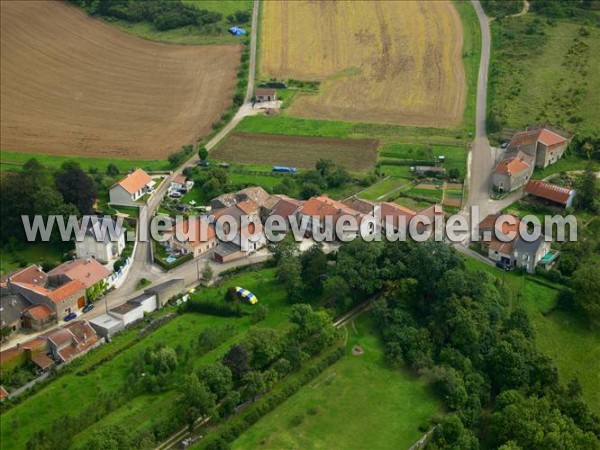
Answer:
[(297, 151), (71, 84), (384, 61)]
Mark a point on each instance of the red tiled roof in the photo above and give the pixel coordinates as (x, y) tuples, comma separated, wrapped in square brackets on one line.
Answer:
[(60, 336), (502, 247), (42, 360), (3, 392), (286, 207), (360, 205), (490, 223), (30, 275), (265, 91), (247, 206), (204, 231), (66, 290), (34, 344), (39, 312), (180, 179), (135, 181), (395, 210), (549, 138), (511, 166), (88, 271), (529, 137), (10, 354), (549, 191), (324, 206)]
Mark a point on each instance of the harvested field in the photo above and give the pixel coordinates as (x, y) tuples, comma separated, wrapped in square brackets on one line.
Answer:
[(380, 62), (71, 84), (297, 151)]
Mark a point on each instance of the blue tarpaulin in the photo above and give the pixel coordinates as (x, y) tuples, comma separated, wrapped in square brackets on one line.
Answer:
[(237, 31)]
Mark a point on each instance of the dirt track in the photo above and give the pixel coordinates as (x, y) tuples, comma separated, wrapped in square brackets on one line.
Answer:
[(297, 151), (71, 84), (386, 62)]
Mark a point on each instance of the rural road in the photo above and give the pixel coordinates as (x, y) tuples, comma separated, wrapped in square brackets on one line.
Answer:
[(481, 160)]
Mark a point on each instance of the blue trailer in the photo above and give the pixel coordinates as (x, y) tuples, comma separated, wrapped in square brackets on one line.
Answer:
[(282, 169), (237, 31)]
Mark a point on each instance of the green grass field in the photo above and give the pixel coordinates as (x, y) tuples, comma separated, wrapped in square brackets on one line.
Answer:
[(358, 403), (545, 71), (111, 378), (385, 186), (563, 335), (13, 161)]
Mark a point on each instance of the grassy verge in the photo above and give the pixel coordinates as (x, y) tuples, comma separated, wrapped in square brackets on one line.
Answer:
[(13, 161), (357, 403), (563, 335)]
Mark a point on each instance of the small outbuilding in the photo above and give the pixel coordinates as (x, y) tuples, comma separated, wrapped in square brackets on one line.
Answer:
[(550, 194), (106, 325), (265, 95)]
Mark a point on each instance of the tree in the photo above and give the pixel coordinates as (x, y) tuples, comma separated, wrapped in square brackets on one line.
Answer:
[(217, 377), (5, 332), (238, 361), (164, 360), (76, 187), (336, 292), (452, 434), (587, 195), (254, 384), (206, 274), (114, 437), (195, 400), (289, 273), (264, 344), (260, 313), (586, 284), (112, 170), (314, 267), (309, 190), (288, 247), (202, 153), (325, 167)]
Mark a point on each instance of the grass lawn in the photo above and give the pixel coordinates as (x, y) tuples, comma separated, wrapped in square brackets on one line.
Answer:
[(266, 181), (358, 403), (383, 187), (433, 195), (12, 162), (31, 253), (565, 164), (563, 335)]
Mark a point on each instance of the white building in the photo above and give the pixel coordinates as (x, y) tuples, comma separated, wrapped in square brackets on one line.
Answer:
[(104, 240)]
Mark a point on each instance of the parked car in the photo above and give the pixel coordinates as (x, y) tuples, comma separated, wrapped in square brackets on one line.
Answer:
[(504, 145), (70, 316), (225, 165), (503, 266), (203, 163), (88, 307), (175, 194)]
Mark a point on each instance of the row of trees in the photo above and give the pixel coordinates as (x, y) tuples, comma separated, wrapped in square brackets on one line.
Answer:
[(38, 191), (163, 14)]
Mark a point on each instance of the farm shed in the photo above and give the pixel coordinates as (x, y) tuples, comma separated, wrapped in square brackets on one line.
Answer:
[(265, 95), (106, 325), (550, 194)]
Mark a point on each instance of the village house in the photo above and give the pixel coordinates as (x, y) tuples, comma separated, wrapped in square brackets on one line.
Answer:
[(495, 240), (38, 317), (71, 341), (285, 207), (60, 294), (196, 242), (89, 271), (256, 194), (265, 95), (323, 214), (180, 182), (12, 307), (131, 188), (550, 194), (535, 147), (249, 235), (104, 240)]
